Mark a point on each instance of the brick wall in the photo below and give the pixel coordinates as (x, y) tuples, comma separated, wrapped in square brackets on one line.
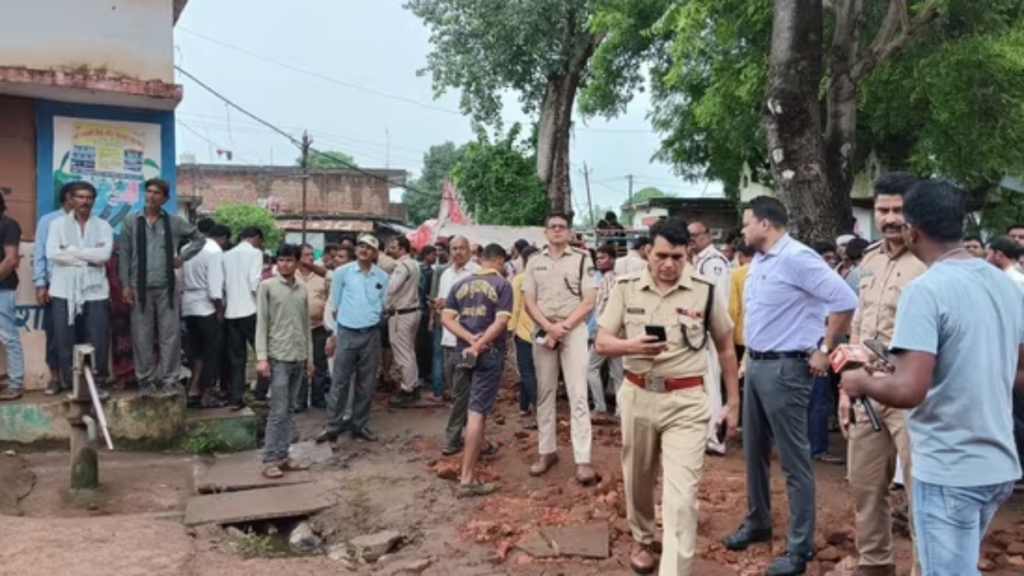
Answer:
[(334, 192), (18, 162)]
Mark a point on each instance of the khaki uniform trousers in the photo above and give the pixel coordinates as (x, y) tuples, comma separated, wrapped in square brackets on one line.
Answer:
[(872, 462), (669, 428), (713, 386), (402, 334), (572, 355)]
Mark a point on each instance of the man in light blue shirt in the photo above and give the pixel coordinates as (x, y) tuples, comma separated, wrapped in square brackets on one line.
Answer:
[(42, 270), (959, 352), (358, 292), (789, 293)]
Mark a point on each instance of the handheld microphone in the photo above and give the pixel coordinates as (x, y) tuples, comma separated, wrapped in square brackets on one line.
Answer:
[(851, 357)]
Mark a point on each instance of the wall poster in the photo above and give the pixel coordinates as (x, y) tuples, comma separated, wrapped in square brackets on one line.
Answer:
[(116, 157)]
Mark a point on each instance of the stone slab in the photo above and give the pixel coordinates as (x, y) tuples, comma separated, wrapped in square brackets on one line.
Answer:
[(585, 541), (536, 545), (260, 504), (243, 471)]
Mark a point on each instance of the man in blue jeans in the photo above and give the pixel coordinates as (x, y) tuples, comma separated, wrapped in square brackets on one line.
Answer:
[(284, 353), (10, 236), (958, 350)]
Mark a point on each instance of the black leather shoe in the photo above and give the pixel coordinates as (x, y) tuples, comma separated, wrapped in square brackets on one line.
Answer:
[(787, 565), (364, 434), (326, 436), (745, 536)]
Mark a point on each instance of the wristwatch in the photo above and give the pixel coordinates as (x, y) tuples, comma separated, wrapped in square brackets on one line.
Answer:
[(822, 347)]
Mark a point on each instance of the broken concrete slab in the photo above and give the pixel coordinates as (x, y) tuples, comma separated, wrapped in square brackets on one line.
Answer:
[(243, 471), (537, 545), (260, 504), (372, 546), (585, 541)]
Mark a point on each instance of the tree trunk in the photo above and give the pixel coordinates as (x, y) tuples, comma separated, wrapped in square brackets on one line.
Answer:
[(841, 108), (793, 122), (553, 140)]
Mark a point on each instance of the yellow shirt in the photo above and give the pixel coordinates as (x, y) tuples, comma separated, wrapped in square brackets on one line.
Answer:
[(521, 322), (739, 278)]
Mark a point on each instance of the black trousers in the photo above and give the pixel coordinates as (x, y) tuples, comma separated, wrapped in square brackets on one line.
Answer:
[(425, 348), (315, 393), (241, 334), (92, 326), (205, 342)]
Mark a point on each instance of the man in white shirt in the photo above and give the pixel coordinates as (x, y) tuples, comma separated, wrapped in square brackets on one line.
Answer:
[(78, 245), (1004, 253), (202, 306), (711, 264), (636, 260), (243, 270), (460, 267)]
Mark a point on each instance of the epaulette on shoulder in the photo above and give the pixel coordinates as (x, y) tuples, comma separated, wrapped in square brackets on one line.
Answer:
[(702, 279), (627, 279), (873, 247)]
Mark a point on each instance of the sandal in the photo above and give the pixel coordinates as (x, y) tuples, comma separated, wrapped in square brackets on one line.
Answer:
[(475, 490), (10, 394), (490, 450), (290, 465), (829, 459), (272, 471), (451, 450)]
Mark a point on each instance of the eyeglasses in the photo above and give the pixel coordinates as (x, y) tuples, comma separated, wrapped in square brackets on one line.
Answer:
[(557, 227)]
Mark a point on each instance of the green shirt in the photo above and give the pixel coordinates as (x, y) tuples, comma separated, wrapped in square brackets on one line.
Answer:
[(282, 321), (156, 251)]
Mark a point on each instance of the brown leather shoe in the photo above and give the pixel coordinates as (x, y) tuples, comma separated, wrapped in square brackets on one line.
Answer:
[(886, 570), (546, 462), (585, 475), (642, 560)]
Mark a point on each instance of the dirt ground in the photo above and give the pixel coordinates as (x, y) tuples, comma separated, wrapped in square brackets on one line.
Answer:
[(133, 524)]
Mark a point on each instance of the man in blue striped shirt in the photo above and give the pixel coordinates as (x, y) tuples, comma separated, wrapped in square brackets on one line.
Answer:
[(789, 293), (42, 270)]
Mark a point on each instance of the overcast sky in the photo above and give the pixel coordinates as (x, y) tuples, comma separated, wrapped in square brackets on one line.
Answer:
[(353, 85)]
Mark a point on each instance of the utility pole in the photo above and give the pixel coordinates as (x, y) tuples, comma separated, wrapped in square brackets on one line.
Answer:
[(629, 200), (306, 143), (586, 180)]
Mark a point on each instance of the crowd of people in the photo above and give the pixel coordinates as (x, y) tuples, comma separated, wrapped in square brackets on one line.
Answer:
[(681, 343)]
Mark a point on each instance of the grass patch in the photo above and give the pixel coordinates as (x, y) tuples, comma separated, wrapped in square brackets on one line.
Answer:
[(253, 545), (204, 441)]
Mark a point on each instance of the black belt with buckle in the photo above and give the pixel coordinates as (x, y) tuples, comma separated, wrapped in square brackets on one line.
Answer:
[(401, 311), (755, 355)]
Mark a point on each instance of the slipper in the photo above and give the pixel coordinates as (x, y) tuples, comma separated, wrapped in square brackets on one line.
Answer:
[(490, 450), (213, 404), (531, 425), (829, 459), (290, 465), (600, 418), (451, 450), (272, 471), (475, 490), (10, 394)]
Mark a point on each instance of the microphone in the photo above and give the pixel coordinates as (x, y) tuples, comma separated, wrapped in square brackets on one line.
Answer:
[(851, 357)]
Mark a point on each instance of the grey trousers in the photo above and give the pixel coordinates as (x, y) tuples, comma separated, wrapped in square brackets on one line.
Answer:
[(92, 326), (460, 383), (285, 379), (357, 354), (775, 401), (157, 322)]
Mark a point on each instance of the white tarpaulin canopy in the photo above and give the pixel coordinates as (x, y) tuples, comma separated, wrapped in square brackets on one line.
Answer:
[(506, 236)]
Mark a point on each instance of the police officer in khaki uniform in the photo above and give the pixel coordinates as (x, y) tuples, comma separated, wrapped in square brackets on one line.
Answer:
[(665, 407), (560, 293), (886, 269), (403, 313)]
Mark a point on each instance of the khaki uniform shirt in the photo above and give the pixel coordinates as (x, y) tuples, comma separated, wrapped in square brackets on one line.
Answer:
[(386, 263), (883, 275), (404, 285), (317, 288), (636, 302), (557, 282)]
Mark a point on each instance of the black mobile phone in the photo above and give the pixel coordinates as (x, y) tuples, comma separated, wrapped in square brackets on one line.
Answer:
[(656, 331), (467, 362)]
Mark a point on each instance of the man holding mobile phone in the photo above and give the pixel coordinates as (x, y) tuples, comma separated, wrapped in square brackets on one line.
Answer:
[(668, 313), (477, 311)]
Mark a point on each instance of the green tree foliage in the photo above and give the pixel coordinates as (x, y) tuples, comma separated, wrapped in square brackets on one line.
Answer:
[(328, 160), (947, 100), (539, 49), (641, 195), (497, 181), (237, 216), (438, 163)]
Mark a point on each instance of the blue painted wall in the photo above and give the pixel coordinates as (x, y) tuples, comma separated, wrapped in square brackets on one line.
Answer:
[(46, 110)]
